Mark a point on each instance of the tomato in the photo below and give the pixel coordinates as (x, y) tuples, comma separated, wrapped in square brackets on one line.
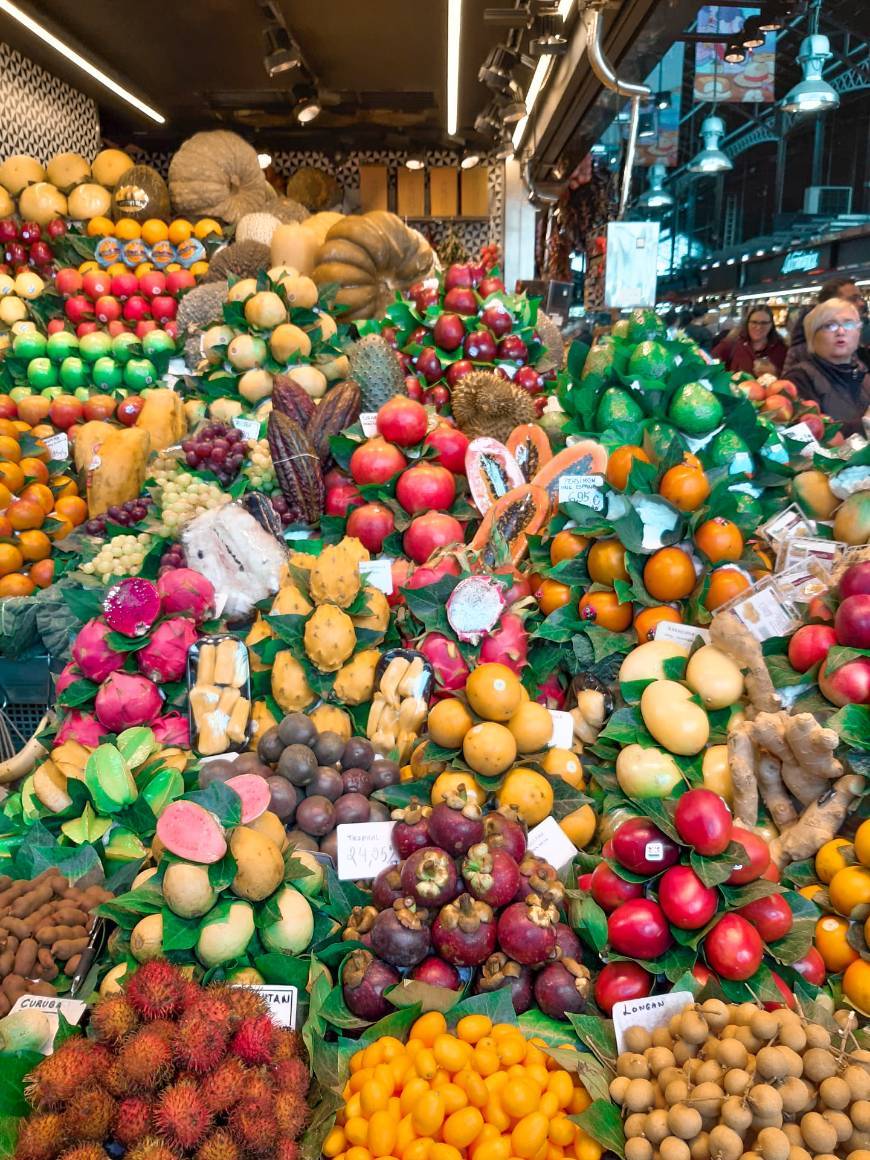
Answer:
[(669, 574), (757, 857), (812, 967), (725, 583), (606, 562), (771, 916), (609, 890), (617, 982), (641, 847), (684, 898), (648, 619), (703, 821), (619, 464), (639, 928), (832, 944), (684, 486), (733, 948), (719, 539), (605, 610), (566, 545)]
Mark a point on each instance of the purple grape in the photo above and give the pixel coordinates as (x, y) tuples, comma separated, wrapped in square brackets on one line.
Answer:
[(113, 512), (191, 458), (188, 445), (218, 454)]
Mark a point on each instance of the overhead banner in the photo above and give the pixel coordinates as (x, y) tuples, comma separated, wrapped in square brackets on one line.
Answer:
[(667, 80), (715, 79)]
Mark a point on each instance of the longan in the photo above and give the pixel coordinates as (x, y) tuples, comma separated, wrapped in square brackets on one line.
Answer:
[(778, 1063), (744, 1013), (668, 1073), (763, 1025), (675, 1025), (792, 1034), (835, 1093), (858, 1080), (658, 1058), (725, 1144), (819, 1135), (661, 1037), (684, 1121), (859, 1154), (710, 1071), (841, 1124), (691, 1068), (819, 1064), (635, 1125), (672, 1148), (773, 1144), (793, 1132), (732, 1053), (657, 1126), (847, 1020), (735, 1114), (637, 1039), (700, 1146), (750, 1042), (707, 1097), (639, 1096), (817, 1035), (693, 1028), (859, 1113), (684, 1051), (798, 1152), (676, 1091), (736, 1081), (637, 1148), (766, 1104), (632, 1065), (795, 1095), (717, 1013)]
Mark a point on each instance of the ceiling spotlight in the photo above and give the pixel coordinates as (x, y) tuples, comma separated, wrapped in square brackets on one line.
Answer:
[(415, 161), (752, 36), (470, 158), (280, 56), (662, 100), (307, 106), (495, 72), (773, 17), (550, 39), (812, 94), (735, 53), (656, 197), (265, 160), (512, 111), (711, 159)]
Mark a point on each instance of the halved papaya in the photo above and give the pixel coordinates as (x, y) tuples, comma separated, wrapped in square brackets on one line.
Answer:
[(492, 471), (522, 511), (585, 457), (531, 449)]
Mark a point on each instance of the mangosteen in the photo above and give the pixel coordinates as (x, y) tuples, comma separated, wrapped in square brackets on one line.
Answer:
[(270, 746), (567, 943), (411, 831), (385, 772), (401, 934), (456, 823), (284, 797), (387, 886), (499, 971), (359, 925), (491, 874), (527, 930), (464, 932), (562, 988), (352, 807), (328, 747), (537, 876), (378, 812), (297, 729), (363, 982), (504, 828), (358, 753), (326, 782), (298, 764), (329, 846), (429, 877), (356, 780), (437, 973), (302, 841), (250, 763), (216, 769), (315, 815)]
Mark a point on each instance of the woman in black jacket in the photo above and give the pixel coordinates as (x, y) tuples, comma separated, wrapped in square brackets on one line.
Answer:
[(830, 373)]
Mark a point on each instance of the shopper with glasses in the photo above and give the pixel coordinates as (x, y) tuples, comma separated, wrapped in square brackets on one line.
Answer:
[(831, 374), (839, 287), (755, 347)]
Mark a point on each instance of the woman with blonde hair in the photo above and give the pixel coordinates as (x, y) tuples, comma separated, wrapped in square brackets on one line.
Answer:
[(830, 373)]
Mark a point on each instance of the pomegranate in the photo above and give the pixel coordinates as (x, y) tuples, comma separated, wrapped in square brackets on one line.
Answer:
[(491, 874), (401, 935), (810, 645), (499, 971), (376, 461), (852, 621), (464, 933), (563, 988), (425, 487), (446, 565), (427, 533), (641, 847), (429, 877), (527, 929), (340, 499), (448, 332), (771, 916), (703, 821), (450, 446), (610, 891), (370, 523), (400, 571), (411, 831), (639, 927), (387, 887), (684, 898), (733, 948), (620, 981), (456, 823), (402, 421), (436, 973), (757, 857), (503, 829), (363, 982)]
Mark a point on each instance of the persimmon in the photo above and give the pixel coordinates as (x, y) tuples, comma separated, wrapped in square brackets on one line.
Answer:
[(10, 448), (646, 620), (566, 545), (40, 494), (34, 469), (64, 485), (719, 539), (604, 609), (16, 584), (725, 583), (606, 562), (619, 464), (72, 508), (25, 514), (685, 487), (12, 475), (11, 559), (552, 595), (34, 545), (42, 573), (669, 574)]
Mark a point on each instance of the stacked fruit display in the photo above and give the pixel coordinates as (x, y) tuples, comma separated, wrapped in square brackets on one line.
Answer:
[(122, 302), (140, 246), (27, 246), (26, 300)]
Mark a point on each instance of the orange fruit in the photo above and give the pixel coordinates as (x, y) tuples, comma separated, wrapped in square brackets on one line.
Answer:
[(40, 494), (833, 856), (34, 469), (127, 230), (34, 546), (6, 529), (551, 595), (72, 508), (604, 609), (669, 574), (206, 226), (685, 487), (10, 559), (850, 887), (691, 460), (529, 792), (16, 584), (42, 573), (494, 692), (856, 985), (606, 562), (7, 427), (580, 825), (61, 533), (12, 475), (564, 763), (5, 497), (619, 464), (831, 943), (532, 727), (100, 227), (566, 545), (862, 843), (725, 583), (647, 619), (449, 721), (719, 539), (154, 230), (179, 231), (489, 748), (25, 514), (64, 485)]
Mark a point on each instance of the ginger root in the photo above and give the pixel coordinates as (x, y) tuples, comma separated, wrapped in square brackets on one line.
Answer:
[(733, 638), (813, 745), (819, 822), (741, 761), (773, 792)]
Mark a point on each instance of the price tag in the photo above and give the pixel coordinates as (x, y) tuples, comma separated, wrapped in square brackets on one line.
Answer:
[(549, 841), (650, 1013), (685, 634), (250, 428), (654, 851), (282, 1003), (585, 489), (378, 573), (71, 1009), (563, 730), (58, 445), (364, 849), (368, 420)]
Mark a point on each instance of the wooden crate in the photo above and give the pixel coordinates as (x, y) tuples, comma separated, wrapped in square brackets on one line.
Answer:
[(373, 187)]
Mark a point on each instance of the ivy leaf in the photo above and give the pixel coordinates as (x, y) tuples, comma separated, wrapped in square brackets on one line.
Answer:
[(852, 723)]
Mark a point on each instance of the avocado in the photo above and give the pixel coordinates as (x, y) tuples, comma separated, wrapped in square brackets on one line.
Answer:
[(695, 410)]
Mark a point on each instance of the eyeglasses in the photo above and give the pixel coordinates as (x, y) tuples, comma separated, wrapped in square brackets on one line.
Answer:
[(760, 322), (833, 327)]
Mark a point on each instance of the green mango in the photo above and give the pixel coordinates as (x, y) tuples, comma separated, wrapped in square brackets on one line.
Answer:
[(695, 410)]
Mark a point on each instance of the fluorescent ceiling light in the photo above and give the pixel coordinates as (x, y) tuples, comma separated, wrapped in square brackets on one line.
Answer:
[(79, 61), (537, 81), (454, 38)]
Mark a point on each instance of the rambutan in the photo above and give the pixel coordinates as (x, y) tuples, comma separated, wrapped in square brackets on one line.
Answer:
[(200, 1044), (254, 1126), (88, 1151), (115, 1080), (292, 1075), (113, 1018), (156, 989), (151, 1148), (210, 1005), (292, 1113), (225, 1086), (287, 1150), (289, 1045), (90, 1114), (41, 1138), (181, 1115), (133, 1121), (61, 1075), (166, 1028), (243, 1002), (254, 1041), (218, 1146), (259, 1085), (146, 1059)]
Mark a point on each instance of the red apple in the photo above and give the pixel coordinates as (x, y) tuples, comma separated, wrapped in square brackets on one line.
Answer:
[(136, 308), (809, 645), (99, 407), (413, 388), (179, 280), (116, 326), (529, 379), (847, 685), (457, 276), (163, 307), (77, 308), (852, 622), (96, 283), (778, 407), (461, 300), (107, 308), (497, 318), (144, 326), (9, 408), (782, 387), (128, 410), (490, 285), (171, 327), (56, 228), (458, 370), (54, 325), (123, 285), (479, 345), (152, 283)]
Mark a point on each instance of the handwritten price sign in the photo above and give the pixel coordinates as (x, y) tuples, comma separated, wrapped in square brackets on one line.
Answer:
[(364, 849)]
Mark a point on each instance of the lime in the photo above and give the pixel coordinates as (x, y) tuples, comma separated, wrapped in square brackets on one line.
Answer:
[(616, 406), (107, 374), (600, 358), (723, 448), (95, 345), (73, 372), (61, 344), (123, 345), (657, 438), (747, 513), (649, 360), (41, 373), (643, 325), (139, 373), (694, 409), (157, 342), (30, 345)]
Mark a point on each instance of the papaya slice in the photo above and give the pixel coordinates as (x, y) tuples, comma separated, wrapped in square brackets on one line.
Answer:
[(492, 471), (523, 511), (531, 448), (585, 457)]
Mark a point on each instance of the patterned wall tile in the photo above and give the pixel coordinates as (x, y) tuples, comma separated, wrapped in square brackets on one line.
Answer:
[(40, 114)]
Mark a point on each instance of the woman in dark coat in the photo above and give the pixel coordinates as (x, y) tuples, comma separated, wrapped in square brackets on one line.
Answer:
[(756, 348), (830, 373)]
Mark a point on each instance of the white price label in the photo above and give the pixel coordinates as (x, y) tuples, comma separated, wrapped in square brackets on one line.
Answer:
[(58, 445), (282, 1003), (250, 428), (71, 1009), (378, 573), (368, 420), (220, 600), (364, 849), (762, 612), (563, 730), (585, 489), (654, 851), (549, 841), (685, 634), (650, 1013)]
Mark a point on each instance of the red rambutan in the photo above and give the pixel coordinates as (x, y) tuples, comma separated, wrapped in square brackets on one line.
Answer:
[(156, 989), (61, 1075), (292, 1113), (218, 1146), (113, 1018), (259, 1085), (225, 1086), (41, 1137), (134, 1120), (89, 1151), (146, 1059), (200, 1044), (287, 1150), (115, 1080), (181, 1115), (289, 1045), (292, 1075), (151, 1148), (254, 1040), (243, 1002), (90, 1114), (254, 1126)]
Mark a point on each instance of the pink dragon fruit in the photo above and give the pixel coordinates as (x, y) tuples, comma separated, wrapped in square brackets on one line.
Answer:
[(447, 661), (173, 729), (81, 727), (66, 677), (188, 592), (507, 644), (126, 699), (90, 651), (474, 607), (551, 693), (132, 606), (164, 657)]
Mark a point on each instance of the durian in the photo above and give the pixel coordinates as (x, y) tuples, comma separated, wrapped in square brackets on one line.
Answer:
[(485, 404), (241, 259), (377, 370), (551, 339)]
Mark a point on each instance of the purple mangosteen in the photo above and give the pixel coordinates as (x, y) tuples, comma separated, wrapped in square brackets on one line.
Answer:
[(401, 934), (456, 824), (411, 831), (363, 982), (437, 973), (464, 933), (429, 877), (491, 874), (499, 971), (527, 930), (563, 988)]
